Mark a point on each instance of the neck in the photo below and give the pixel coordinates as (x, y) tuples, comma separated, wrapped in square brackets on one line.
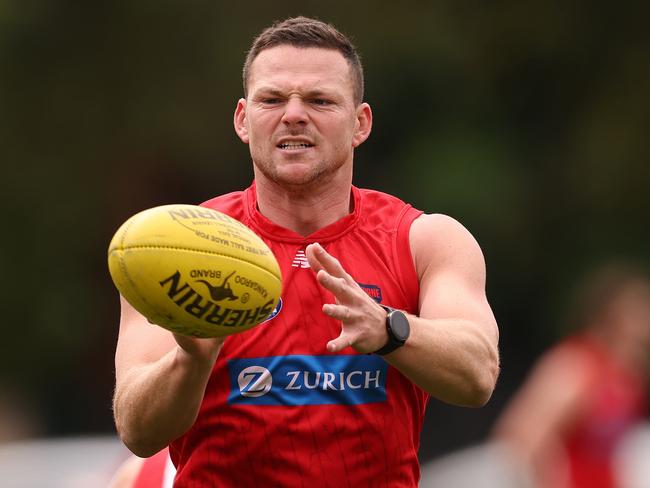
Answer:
[(301, 209)]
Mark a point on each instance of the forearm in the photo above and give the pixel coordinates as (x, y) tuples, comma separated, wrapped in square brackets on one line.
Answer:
[(156, 403), (455, 361)]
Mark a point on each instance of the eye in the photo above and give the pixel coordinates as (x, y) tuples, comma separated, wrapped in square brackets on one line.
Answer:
[(270, 101), (321, 102)]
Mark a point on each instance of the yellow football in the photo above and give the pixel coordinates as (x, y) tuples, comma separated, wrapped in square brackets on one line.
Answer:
[(194, 270)]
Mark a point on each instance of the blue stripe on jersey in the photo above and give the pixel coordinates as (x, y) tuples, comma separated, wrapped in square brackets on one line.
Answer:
[(308, 380)]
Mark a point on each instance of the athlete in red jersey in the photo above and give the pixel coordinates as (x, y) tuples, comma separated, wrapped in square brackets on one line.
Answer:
[(586, 393), (331, 390), (337, 403)]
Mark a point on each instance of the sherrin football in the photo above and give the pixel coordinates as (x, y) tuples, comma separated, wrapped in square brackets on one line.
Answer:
[(194, 271)]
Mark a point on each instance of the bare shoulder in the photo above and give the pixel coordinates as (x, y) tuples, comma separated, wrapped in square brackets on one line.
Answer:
[(439, 227), (451, 272), (441, 242)]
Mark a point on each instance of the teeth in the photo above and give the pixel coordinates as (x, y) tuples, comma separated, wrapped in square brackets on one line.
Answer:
[(294, 146)]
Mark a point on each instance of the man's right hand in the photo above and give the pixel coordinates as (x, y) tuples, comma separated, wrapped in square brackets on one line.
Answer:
[(160, 381), (199, 348)]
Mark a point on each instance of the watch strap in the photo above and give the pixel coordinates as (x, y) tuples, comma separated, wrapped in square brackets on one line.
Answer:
[(393, 343)]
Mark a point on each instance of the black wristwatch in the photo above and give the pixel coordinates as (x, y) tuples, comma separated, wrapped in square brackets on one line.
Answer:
[(398, 328)]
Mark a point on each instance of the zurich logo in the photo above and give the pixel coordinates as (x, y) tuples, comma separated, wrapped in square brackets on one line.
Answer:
[(254, 381), (308, 380)]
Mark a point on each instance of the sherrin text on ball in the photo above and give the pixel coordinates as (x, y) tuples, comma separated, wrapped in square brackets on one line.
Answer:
[(194, 271)]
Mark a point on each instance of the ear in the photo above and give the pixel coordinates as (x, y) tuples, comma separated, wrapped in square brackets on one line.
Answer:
[(363, 124), (239, 121)]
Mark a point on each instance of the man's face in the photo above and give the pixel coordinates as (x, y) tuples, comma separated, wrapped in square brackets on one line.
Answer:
[(300, 119)]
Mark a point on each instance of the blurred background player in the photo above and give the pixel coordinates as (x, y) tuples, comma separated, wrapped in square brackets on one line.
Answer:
[(156, 471), (586, 393)]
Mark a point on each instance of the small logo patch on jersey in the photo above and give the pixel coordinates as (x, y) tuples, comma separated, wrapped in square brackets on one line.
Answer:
[(254, 381), (276, 311), (373, 291), (308, 380), (300, 260)]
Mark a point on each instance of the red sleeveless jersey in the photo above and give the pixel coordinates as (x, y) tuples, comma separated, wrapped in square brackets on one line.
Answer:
[(279, 409)]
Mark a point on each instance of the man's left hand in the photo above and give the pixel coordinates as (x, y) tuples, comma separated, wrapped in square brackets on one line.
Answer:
[(363, 321)]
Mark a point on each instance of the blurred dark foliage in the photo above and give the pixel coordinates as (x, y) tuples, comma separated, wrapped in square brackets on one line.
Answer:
[(526, 121)]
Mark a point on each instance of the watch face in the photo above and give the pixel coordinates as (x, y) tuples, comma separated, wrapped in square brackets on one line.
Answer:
[(399, 325)]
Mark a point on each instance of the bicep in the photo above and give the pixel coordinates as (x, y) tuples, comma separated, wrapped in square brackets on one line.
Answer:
[(139, 342), (451, 272)]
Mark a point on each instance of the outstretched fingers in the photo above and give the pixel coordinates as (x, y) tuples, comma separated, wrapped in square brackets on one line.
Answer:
[(337, 311), (319, 259), (338, 286), (351, 308), (330, 274)]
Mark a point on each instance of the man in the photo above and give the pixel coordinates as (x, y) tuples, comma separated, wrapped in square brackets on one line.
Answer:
[(585, 394), (331, 391)]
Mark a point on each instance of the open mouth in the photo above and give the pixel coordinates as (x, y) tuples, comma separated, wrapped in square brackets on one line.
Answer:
[(293, 146)]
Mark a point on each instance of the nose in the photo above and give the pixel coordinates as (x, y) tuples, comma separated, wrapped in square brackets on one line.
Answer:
[(295, 112)]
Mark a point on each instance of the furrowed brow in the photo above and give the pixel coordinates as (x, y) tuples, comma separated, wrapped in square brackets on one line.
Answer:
[(269, 91)]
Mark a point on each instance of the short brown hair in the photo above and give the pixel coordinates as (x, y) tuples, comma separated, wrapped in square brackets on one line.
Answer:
[(307, 32)]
